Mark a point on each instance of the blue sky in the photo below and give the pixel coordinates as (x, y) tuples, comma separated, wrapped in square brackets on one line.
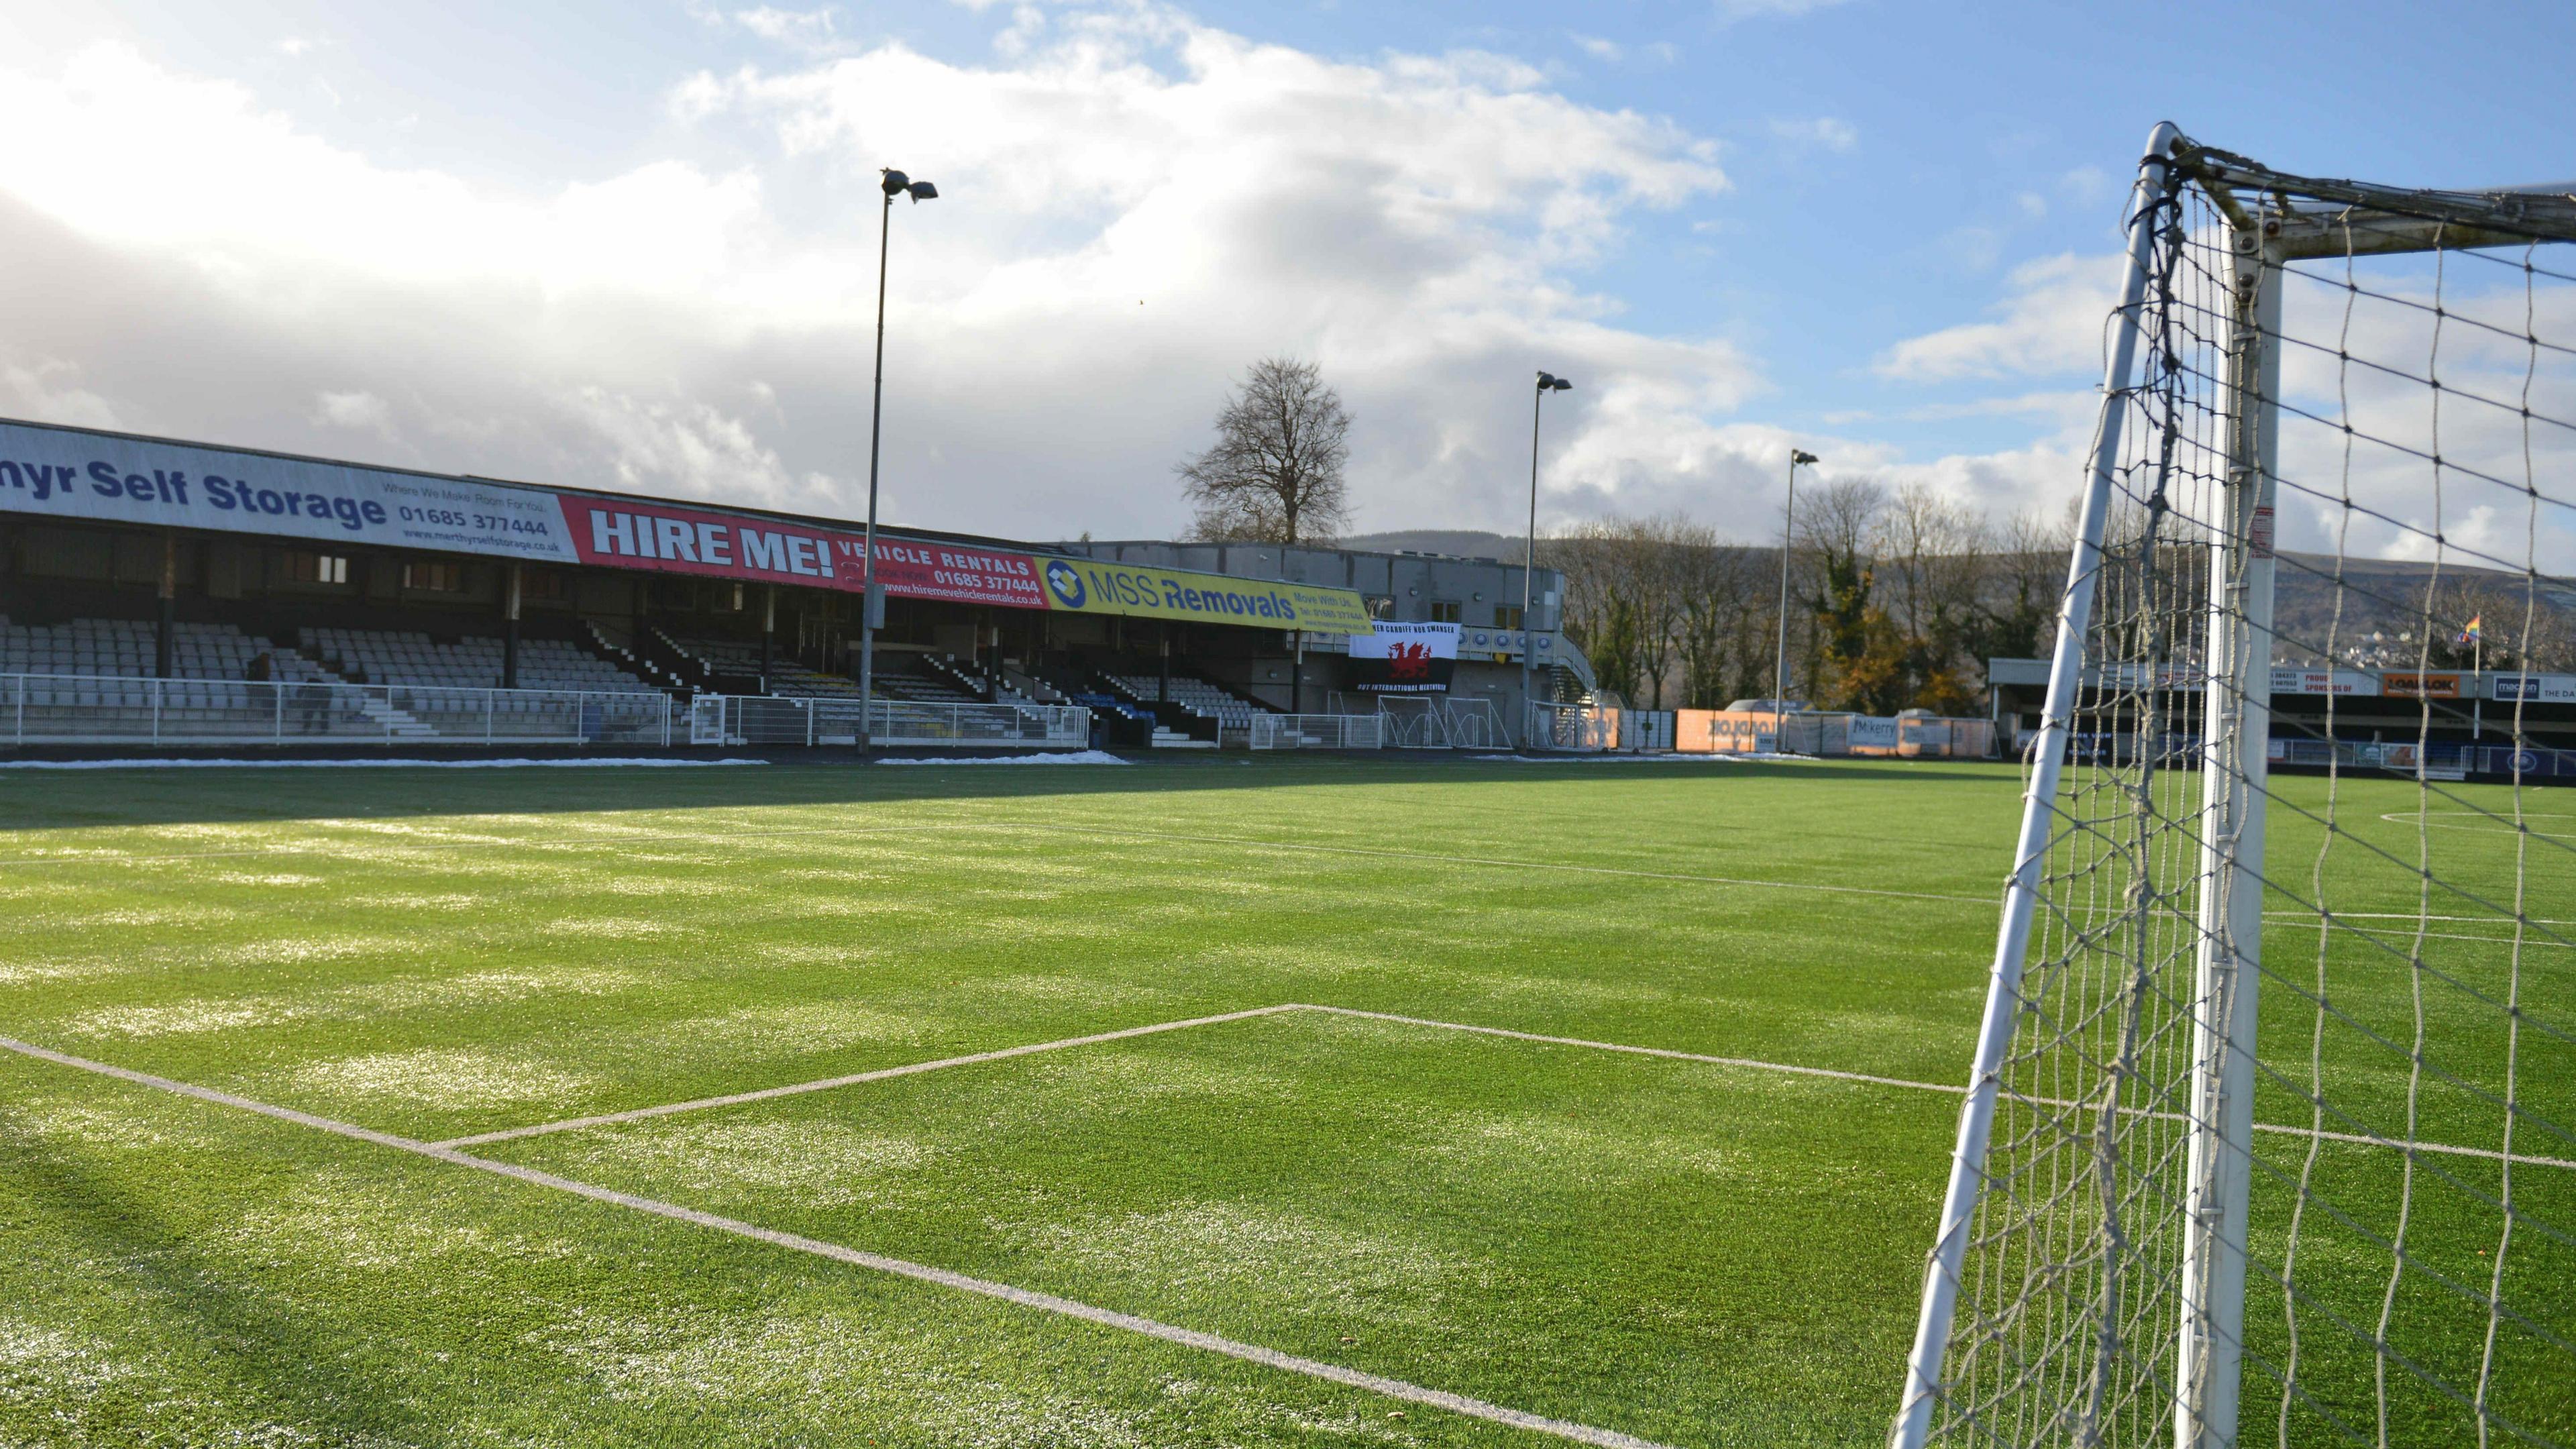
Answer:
[(627, 244)]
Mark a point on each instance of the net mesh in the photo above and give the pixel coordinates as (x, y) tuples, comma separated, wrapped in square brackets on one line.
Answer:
[(2407, 409)]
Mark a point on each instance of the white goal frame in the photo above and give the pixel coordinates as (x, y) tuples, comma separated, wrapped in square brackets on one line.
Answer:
[(2338, 219)]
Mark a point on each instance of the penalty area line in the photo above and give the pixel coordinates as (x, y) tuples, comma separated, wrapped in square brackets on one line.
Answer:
[(698, 1104), (1400, 1389), (826, 1084)]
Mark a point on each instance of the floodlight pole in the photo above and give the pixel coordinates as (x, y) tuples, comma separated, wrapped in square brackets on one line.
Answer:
[(894, 183), (1780, 659), (876, 431), (1547, 383)]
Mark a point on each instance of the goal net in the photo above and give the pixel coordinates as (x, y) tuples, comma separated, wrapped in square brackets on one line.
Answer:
[(2271, 1129)]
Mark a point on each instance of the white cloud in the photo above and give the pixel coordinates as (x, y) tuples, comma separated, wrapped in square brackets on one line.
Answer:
[(1134, 207), (1729, 10), (1596, 47), (46, 390), (2051, 324), (811, 30), (363, 410), (2086, 185), (1829, 133)]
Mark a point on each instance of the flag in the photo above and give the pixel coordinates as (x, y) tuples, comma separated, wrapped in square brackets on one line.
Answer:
[(2471, 634)]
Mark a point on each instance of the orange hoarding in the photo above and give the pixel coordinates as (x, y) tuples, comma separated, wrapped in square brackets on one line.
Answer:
[(2420, 686)]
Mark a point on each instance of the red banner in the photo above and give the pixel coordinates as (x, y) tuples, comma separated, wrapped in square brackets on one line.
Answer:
[(623, 534)]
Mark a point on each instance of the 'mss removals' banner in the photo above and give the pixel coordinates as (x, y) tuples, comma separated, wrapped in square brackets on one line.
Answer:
[(1095, 586)]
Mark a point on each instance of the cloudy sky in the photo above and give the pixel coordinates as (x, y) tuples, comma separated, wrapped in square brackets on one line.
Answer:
[(631, 244)]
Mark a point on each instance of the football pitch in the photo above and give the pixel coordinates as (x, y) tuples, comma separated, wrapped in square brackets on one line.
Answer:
[(1291, 1102)]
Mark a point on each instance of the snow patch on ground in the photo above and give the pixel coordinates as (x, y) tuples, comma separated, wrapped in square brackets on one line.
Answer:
[(1059, 757), (517, 764)]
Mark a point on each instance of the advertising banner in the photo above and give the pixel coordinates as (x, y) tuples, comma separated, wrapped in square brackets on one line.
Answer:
[(1404, 659), (1090, 586), (2323, 681), (62, 473), (623, 533), (2535, 688), (75, 474), (2414, 685), (1873, 732)]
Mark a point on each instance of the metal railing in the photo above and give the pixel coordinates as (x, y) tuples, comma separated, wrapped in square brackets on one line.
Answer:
[(82, 709), (1584, 727), (1476, 724), (738, 719), (1434, 722), (1414, 722), (1318, 732)]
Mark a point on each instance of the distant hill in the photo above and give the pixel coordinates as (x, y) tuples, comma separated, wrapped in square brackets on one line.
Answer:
[(1461, 542)]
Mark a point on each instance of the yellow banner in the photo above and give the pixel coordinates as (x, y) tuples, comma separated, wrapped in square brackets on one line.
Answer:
[(1089, 586)]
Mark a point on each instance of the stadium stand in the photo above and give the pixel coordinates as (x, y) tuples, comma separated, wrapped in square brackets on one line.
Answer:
[(618, 648), (122, 648), (1195, 696), (785, 677), (368, 656), (909, 675), (1106, 697)]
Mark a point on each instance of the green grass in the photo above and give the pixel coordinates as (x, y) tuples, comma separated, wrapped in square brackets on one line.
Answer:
[(1691, 1253)]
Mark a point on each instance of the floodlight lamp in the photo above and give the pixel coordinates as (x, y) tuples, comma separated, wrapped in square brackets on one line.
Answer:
[(1798, 456), (1550, 382), (895, 182), (923, 191)]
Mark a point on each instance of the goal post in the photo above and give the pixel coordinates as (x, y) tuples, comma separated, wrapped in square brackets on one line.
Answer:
[(2114, 1193)]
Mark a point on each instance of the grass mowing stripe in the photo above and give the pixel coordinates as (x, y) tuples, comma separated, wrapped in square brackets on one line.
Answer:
[(1499, 862), (853, 1079), (919, 1272), (712, 837), (325, 848), (1245, 841), (2519, 1159)]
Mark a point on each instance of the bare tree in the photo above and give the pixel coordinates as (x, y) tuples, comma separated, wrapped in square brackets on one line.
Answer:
[(1934, 544), (1725, 614), (2518, 628), (2025, 568), (1659, 605), (1275, 472)]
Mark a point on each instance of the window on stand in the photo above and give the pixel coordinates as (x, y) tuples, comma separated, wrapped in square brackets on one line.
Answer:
[(434, 578), (316, 568)]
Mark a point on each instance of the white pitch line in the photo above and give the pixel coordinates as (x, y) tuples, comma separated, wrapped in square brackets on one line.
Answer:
[(2520, 1159), (1638, 1051), (919, 1272), (853, 1079)]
